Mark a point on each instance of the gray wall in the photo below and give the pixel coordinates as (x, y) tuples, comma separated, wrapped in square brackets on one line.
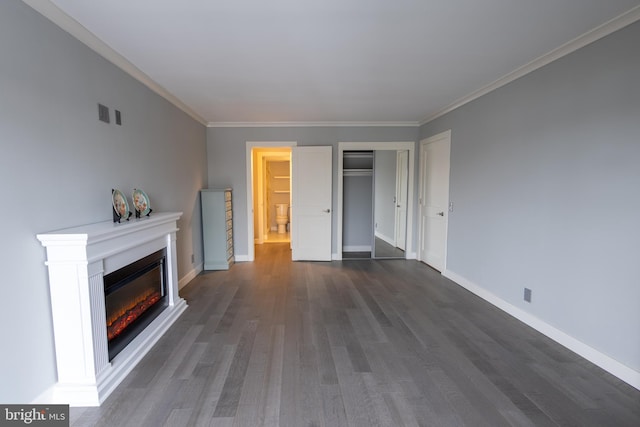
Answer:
[(357, 212), (226, 153), (58, 164), (385, 192), (545, 179)]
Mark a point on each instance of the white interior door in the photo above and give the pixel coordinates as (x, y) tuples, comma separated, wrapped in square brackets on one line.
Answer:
[(402, 180), (311, 206), (434, 199)]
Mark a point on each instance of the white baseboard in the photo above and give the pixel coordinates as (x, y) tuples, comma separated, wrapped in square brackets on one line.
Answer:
[(387, 239), (106, 381), (45, 398), (412, 255), (357, 248), (242, 258), (625, 373), (335, 257), (190, 276)]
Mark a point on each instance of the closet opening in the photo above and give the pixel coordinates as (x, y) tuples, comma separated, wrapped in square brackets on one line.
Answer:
[(375, 198), (357, 208)]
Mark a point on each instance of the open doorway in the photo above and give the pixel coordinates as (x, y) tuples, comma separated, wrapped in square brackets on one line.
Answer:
[(374, 203), (390, 188), (272, 195), (268, 193), (387, 229)]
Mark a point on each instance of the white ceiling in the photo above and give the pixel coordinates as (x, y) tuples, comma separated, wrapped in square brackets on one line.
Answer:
[(333, 60)]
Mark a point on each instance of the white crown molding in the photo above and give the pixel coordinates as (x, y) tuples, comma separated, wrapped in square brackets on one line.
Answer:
[(50, 11), (589, 37), (309, 124)]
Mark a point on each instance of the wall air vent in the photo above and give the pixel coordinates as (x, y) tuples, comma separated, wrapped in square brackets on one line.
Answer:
[(103, 113)]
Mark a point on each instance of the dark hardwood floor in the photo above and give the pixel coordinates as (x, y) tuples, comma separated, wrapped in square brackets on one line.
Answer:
[(385, 250), (372, 343), (382, 249)]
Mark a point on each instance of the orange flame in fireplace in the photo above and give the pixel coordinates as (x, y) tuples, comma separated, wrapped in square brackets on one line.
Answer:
[(120, 319)]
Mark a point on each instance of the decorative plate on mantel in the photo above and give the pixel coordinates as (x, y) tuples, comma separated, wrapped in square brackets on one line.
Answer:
[(120, 204), (141, 202)]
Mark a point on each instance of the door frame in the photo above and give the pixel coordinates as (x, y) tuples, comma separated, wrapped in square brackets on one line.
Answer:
[(396, 220), (250, 145), (446, 135), (366, 146)]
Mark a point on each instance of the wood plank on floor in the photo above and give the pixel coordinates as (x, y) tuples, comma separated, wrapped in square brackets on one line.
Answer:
[(355, 343)]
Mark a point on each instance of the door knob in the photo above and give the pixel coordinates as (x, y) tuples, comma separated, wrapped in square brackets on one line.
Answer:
[(440, 213), (327, 210)]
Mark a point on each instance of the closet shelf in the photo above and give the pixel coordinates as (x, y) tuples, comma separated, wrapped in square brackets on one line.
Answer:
[(357, 172), (358, 154), (281, 176), (357, 160), (281, 191)]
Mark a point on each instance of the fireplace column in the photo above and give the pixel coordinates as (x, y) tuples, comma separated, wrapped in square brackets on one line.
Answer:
[(77, 301), (78, 259)]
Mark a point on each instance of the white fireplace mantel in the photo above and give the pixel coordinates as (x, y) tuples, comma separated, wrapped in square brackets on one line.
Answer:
[(78, 259)]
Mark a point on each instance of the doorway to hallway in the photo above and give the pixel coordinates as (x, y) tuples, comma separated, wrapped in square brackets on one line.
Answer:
[(270, 190)]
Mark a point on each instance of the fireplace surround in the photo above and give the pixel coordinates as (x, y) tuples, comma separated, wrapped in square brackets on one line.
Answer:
[(79, 260)]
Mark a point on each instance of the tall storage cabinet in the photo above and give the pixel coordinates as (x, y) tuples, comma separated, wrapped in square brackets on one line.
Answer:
[(217, 228)]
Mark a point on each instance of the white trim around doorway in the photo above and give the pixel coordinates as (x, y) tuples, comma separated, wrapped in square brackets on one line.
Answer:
[(365, 146), (250, 145)]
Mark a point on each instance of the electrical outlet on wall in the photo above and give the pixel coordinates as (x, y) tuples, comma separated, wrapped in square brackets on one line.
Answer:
[(527, 294), (193, 259)]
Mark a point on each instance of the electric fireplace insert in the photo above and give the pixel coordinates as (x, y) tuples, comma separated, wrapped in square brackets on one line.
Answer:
[(134, 296)]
